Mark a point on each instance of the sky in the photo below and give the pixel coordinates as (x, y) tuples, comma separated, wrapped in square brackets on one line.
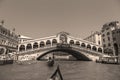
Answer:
[(43, 18)]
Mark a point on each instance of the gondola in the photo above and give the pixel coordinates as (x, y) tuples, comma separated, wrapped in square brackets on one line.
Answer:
[(50, 62), (56, 75)]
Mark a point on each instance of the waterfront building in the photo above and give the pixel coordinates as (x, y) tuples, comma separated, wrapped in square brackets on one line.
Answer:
[(8, 40), (95, 38), (111, 37)]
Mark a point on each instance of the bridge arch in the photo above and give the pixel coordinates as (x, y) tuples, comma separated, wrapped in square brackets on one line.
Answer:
[(22, 48), (71, 42), (42, 44), (89, 46), (83, 45), (94, 48), (60, 38), (54, 41), (35, 45), (78, 55), (29, 46), (48, 43), (100, 50), (77, 43)]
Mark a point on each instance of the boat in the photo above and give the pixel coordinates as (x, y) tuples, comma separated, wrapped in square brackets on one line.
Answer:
[(50, 62), (56, 75), (108, 60), (5, 59)]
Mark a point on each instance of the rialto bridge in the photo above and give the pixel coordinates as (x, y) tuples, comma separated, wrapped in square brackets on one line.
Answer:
[(79, 48)]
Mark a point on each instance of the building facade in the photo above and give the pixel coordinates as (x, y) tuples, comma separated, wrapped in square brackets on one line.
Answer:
[(8, 40), (111, 37), (95, 38)]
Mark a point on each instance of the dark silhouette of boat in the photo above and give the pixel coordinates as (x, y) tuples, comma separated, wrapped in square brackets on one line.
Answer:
[(50, 62), (3, 62), (5, 59), (56, 75)]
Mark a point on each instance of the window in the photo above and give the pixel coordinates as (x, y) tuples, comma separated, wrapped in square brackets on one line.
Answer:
[(103, 35), (107, 28), (104, 45), (114, 39), (99, 42), (109, 44), (102, 30), (113, 32), (108, 33), (108, 38), (103, 40)]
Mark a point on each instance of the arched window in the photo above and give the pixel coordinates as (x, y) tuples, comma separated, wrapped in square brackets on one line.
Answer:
[(35, 45), (88, 46), (94, 48), (17, 46), (83, 45), (71, 42), (48, 42), (77, 43), (42, 44), (99, 50), (22, 48), (54, 42), (29, 46), (2, 50)]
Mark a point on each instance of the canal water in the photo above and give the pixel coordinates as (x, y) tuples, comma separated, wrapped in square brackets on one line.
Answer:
[(71, 70)]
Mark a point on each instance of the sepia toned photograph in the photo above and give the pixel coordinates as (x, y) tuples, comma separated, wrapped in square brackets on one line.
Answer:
[(59, 39)]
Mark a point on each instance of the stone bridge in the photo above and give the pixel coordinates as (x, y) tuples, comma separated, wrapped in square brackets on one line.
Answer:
[(79, 48)]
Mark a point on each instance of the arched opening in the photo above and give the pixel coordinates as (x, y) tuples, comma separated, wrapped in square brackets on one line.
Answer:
[(83, 45), (89, 46), (35, 45), (94, 48), (42, 44), (29, 46), (22, 48), (2, 51), (116, 49), (48, 43), (54, 42), (99, 50), (17, 46), (71, 42), (77, 43)]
